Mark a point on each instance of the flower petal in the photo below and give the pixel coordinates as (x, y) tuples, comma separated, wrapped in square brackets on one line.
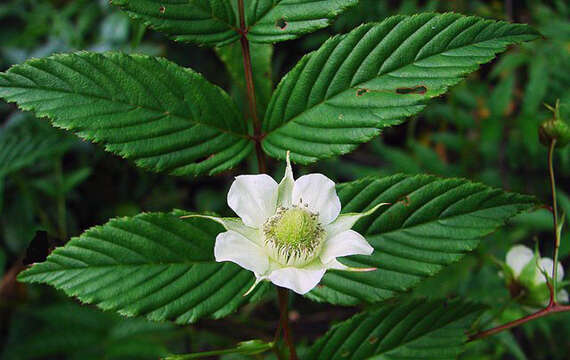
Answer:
[(346, 221), (343, 244), (518, 257), (253, 198), (286, 186), (231, 246), (318, 193), (300, 281), (546, 264)]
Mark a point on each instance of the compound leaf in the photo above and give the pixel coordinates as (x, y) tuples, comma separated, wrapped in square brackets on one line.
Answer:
[(216, 22), (207, 22), (431, 223), (281, 20), (153, 264), (356, 84), (412, 330), (164, 117)]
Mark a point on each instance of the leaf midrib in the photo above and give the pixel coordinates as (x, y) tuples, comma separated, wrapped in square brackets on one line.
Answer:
[(293, 119)]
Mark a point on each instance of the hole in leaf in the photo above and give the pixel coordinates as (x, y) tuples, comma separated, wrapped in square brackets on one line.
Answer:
[(162, 9), (281, 24), (405, 200), (360, 92), (420, 89)]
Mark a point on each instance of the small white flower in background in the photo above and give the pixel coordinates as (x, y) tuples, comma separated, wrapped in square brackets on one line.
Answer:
[(527, 274), (288, 233)]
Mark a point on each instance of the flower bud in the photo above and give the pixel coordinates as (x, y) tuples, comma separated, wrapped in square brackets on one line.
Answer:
[(554, 129)]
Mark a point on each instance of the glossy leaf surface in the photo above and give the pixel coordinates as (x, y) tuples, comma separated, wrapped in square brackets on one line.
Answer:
[(412, 330), (216, 22), (163, 117), (154, 265), (374, 77), (431, 223)]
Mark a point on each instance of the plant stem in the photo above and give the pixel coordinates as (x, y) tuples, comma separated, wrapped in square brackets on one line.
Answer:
[(555, 216), (283, 295), (550, 309), (251, 89)]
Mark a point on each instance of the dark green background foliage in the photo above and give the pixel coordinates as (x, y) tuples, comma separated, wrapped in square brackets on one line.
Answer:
[(484, 129)]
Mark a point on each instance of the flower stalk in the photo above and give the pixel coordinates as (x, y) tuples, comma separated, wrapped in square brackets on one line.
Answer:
[(555, 216), (553, 306), (283, 295)]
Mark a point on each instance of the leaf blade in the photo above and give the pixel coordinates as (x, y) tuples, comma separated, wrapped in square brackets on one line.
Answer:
[(432, 223), (414, 329), (163, 117), (154, 265), (356, 84), (289, 19), (206, 22), (216, 22)]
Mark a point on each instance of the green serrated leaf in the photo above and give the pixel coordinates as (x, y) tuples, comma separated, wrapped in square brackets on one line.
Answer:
[(216, 22), (154, 265), (356, 84), (207, 22), (432, 223), (412, 330), (281, 20), (164, 117), (19, 149)]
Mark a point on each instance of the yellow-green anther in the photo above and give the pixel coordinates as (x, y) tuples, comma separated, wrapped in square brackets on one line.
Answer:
[(295, 233)]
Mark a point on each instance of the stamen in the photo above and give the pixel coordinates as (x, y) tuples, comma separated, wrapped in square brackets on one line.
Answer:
[(294, 235)]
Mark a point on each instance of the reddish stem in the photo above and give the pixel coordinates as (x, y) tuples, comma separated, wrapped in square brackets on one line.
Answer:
[(257, 137), (550, 309), (251, 89), (283, 295), (553, 306)]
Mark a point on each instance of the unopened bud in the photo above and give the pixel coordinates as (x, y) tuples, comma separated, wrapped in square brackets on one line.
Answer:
[(554, 129)]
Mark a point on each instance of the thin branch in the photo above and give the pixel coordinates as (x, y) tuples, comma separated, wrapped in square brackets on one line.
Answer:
[(283, 295), (550, 309), (555, 216)]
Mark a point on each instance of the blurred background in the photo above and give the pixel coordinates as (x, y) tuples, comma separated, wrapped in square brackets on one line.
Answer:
[(484, 129)]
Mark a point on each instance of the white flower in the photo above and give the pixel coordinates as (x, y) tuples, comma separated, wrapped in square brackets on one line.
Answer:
[(528, 270), (288, 233)]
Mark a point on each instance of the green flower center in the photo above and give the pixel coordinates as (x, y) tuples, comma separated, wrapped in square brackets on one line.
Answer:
[(295, 234)]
